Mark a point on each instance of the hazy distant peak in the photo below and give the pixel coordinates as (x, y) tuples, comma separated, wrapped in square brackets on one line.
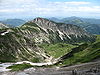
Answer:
[(13, 22)]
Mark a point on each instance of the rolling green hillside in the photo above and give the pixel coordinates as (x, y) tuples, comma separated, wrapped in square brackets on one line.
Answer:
[(83, 53), (57, 50)]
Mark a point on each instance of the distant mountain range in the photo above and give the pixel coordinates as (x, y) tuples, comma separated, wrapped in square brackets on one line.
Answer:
[(13, 22), (91, 25), (88, 20)]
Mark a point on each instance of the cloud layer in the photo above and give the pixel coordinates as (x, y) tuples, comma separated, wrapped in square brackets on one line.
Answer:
[(47, 8)]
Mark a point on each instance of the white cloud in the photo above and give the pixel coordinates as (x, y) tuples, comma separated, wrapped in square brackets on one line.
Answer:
[(77, 3), (11, 10), (89, 9), (70, 3), (43, 7)]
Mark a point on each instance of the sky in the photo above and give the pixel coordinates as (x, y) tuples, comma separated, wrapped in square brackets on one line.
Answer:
[(49, 8)]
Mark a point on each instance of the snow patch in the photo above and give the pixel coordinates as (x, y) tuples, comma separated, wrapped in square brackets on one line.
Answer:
[(4, 33), (60, 34), (3, 67), (68, 36), (36, 64)]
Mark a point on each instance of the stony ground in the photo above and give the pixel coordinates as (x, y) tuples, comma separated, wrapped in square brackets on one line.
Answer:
[(92, 68)]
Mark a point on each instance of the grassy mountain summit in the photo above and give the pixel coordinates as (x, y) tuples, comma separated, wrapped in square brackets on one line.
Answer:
[(40, 40)]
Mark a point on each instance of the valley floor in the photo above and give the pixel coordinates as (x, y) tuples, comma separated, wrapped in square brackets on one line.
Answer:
[(91, 68)]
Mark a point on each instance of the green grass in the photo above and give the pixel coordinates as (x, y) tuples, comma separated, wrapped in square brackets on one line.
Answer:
[(1, 66), (84, 52), (35, 60), (19, 67), (82, 57), (57, 50), (30, 24), (98, 38), (89, 53)]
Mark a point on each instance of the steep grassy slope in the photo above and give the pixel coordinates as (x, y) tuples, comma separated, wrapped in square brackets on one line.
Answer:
[(68, 54), (57, 50), (83, 53), (15, 47), (22, 43)]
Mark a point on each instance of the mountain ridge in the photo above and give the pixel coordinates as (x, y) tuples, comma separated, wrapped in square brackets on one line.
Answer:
[(90, 25), (13, 22), (21, 43)]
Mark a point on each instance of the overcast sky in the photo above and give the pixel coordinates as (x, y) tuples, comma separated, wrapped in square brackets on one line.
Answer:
[(49, 8)]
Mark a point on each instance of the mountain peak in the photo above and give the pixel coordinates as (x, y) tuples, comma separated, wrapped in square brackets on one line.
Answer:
[(41, 19), (70, 32)]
